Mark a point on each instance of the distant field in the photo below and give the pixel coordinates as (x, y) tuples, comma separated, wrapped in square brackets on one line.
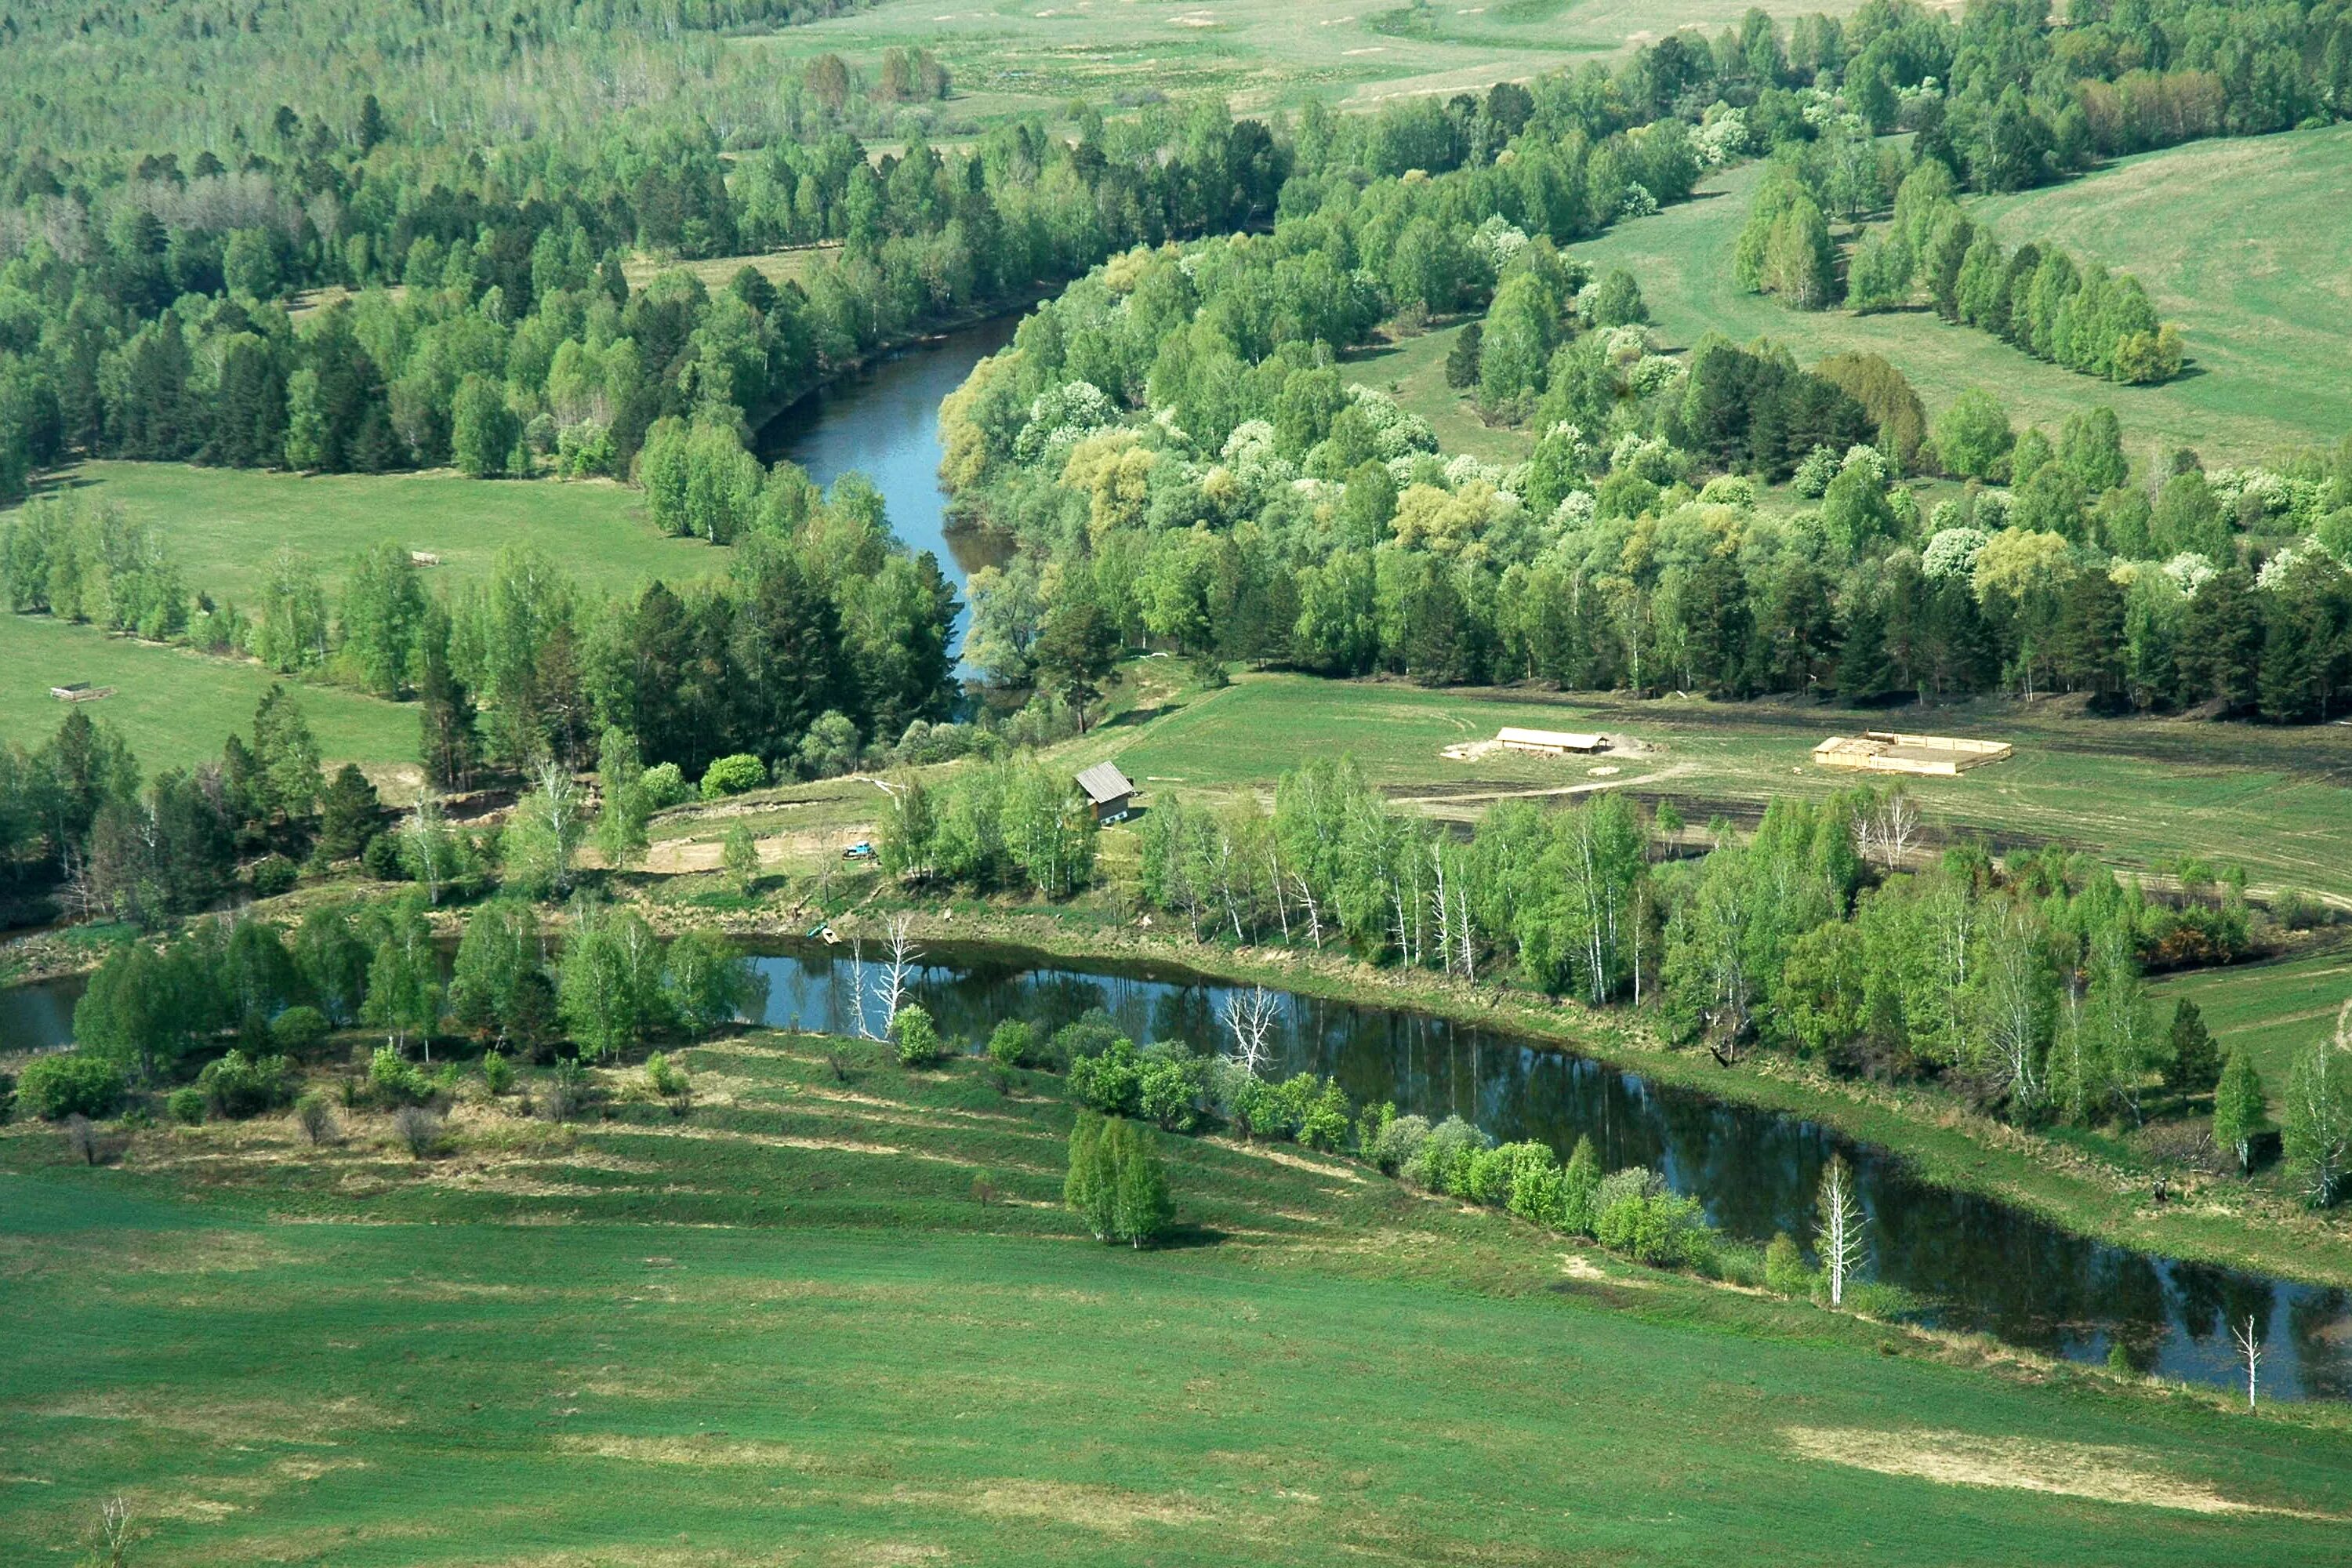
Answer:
[(787, 1329), (1417, 368), (2273, 1010), (2242, 402), (224, 525), (1023, 58), (2135, 792), (2247, 243), (174, 707), (717, 271)]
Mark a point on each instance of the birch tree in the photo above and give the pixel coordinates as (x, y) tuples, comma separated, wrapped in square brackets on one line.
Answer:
[(2315, 1120), (1840, 1226)]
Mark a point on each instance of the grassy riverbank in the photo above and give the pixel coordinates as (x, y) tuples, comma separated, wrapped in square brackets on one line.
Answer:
[(833, 1313)]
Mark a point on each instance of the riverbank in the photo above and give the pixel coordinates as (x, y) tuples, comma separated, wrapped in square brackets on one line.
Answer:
[(2204, 1219)]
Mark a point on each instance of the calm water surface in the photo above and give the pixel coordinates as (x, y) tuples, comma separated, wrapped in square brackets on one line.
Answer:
[(886, 425)]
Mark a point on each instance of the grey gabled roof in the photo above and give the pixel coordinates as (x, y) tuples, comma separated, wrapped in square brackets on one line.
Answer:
[(1104, 782)]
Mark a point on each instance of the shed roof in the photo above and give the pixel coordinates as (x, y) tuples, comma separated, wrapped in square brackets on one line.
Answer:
[(1566, 740), (1104, 782)]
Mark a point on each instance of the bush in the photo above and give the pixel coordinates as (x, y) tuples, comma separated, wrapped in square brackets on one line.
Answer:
[(1441, 1164), (185, 1105), (916, 1037), (1784, 1267), (299, 1030), (1089, 1033), (1171, 1084), (7, 1096), (417, 1129), (69, 1084), (498, 1073), (1108, 1079), (567, 1089), (81, 1139), (392, 1081), (732, 775), (663, 786), (1636, 1216), (1325, 1125), (272, 875), (316, 1118), (238, 1085), (1396, 1145), (666, 1076), (1011, 1042)]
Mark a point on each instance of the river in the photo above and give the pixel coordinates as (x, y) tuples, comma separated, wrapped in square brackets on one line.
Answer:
[(1972, 1263), (885, 424)]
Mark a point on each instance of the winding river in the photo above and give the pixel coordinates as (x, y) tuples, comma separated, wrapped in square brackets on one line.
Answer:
[(1972, 1263)]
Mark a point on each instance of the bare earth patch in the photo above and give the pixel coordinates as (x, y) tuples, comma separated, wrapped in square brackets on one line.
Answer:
[(2100, 1473)]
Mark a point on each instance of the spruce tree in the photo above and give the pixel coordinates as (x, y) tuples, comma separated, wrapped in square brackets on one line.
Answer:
[(1462, 358), (2195, 1065)]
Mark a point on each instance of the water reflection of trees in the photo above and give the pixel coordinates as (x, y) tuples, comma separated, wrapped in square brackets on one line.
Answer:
[(1977, 1264)]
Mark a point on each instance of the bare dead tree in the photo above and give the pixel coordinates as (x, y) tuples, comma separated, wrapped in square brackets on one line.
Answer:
[(897, 979), (114, 1531), (1898, 824), (1249, 1017), (2247, 1336), (1842, 1219), (858, 982), (1314, 914)]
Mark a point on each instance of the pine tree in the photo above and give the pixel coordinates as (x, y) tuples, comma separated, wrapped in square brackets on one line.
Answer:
[(2195, 1064), (2238, 1109)]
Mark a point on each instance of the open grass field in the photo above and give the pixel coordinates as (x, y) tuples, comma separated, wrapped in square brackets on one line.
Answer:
[(172, 706), (2243, 243), (2266, 369), (717, 271), (2273, 1010), (2274, 801), (1415, 368), (1015, 58), (224, 525), (786, 1329)]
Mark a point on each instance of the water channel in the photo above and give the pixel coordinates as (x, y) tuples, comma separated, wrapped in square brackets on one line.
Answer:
[(1975, 1264)]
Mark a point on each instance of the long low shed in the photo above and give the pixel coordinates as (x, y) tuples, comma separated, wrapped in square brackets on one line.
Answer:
[(1884, 751), (1549, 743)]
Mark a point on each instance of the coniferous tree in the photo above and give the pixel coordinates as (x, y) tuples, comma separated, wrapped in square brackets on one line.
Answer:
[(2194, 1064)]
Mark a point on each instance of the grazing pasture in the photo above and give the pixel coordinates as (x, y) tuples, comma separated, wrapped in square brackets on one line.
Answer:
[(2272, 800), (2240, 240), (173, 706), (836, 1313)]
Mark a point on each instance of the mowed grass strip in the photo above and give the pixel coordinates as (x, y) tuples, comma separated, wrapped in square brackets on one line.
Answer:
[(2276, 1011), (821, 1352), (224, 527), (2134, 791), (173, 706), (2265, 366)]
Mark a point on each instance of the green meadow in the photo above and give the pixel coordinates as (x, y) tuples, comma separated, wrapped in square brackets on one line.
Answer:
[(224, 526), (2271, 800), (174, 706), (2273, 1010), (2262, 301), (836, 1314)]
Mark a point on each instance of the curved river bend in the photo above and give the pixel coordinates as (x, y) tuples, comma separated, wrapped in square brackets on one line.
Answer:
[(1976, 1264)]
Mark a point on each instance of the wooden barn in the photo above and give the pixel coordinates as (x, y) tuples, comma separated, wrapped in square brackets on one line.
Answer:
[(1109, 791), (1552, 742)]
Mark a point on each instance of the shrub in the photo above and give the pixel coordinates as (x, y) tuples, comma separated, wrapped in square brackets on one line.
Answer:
[(7, 1096), (383, 858), (1171, 1084), (1089, 1033), (299, 1030), (1636, 1217), (733, 774), (238, 1085), (392, 1081), (417, 1129), (918, 1038), (1443, 1163), (498, 1073), (1784, 1267), (1110, 1079), (316, 1118), (567, 1089), (272, 875), (1325, 1126), (185, 1105), (1010, 1043), (69, 1084), (666, 1076), (81, 1139), (1397, 1145), (663, 786)]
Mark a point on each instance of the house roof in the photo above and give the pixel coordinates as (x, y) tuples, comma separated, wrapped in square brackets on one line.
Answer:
[(1104, 782)]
